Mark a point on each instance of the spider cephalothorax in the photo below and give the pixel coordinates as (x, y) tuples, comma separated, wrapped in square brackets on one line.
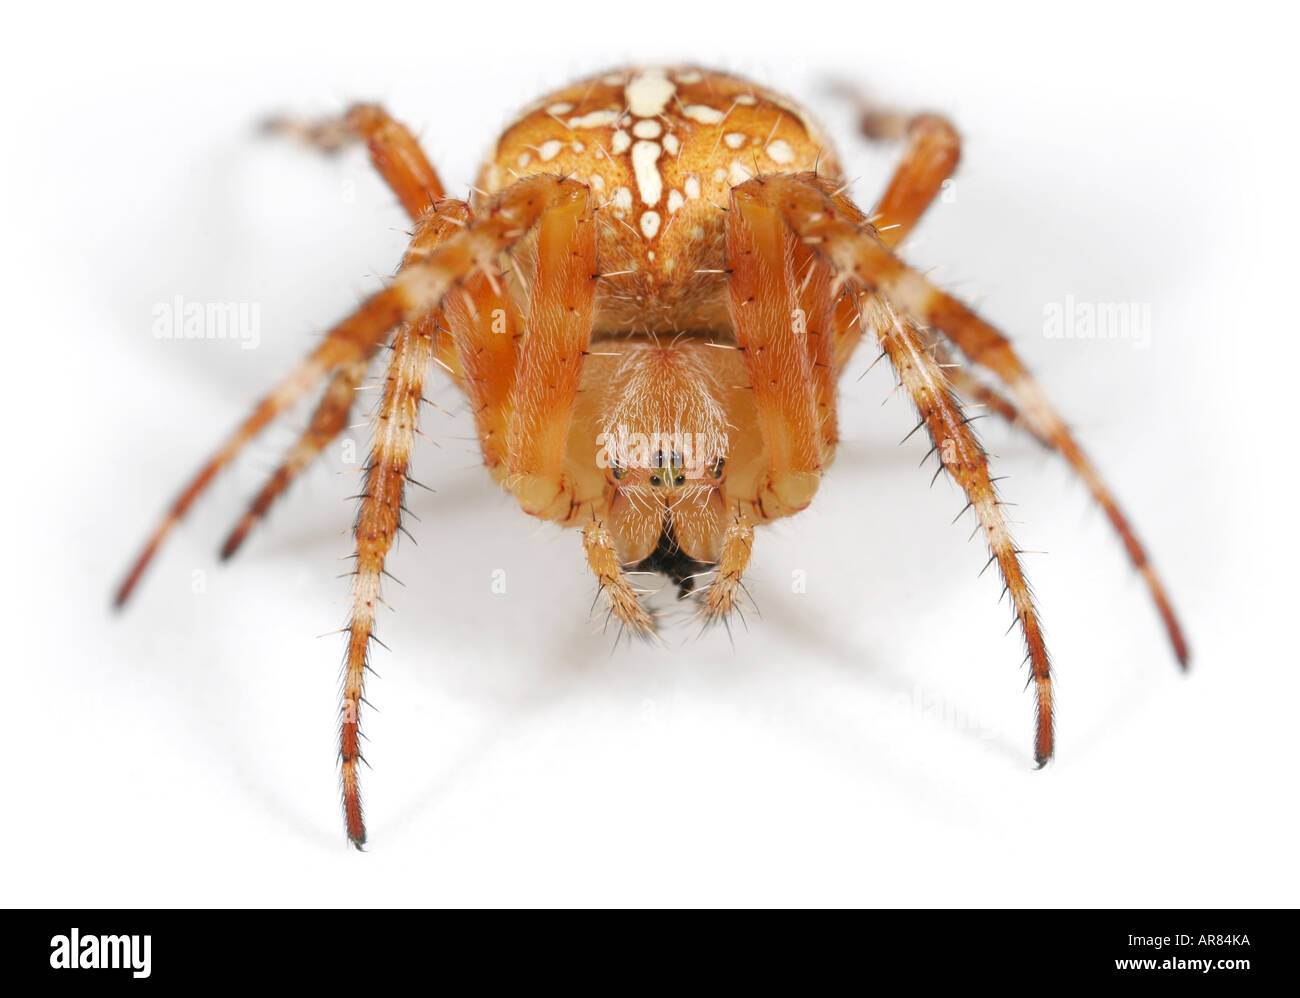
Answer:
[(648, 305)]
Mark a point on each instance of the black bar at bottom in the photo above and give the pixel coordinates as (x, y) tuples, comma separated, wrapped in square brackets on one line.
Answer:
[(1226, 949)]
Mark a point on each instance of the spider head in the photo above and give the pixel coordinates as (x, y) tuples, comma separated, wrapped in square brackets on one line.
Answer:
[(664, 454)]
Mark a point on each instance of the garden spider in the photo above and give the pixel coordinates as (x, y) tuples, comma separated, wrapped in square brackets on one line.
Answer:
[(648, 305)]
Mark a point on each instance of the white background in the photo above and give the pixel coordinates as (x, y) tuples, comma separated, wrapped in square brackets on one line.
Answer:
[(867, 742)]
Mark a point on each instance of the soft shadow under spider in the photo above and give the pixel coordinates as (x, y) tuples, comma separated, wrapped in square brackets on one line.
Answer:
[(828, 647), (561, 675)]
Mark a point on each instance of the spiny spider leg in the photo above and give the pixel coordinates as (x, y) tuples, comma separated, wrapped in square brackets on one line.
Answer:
[(346, 343), (973, 390), (822, 221), (485, 325), (551, 355), (764, 310), (816, 322), (929, 160), (782, 311), (621, 597), (394, 151), (417, 289), (398, 158), (724, 591), (964, 459), (932, 153), (327, 422), (559, 209), (814, 218), (986, 347), (331, 415), (378, 521), (933, 150)]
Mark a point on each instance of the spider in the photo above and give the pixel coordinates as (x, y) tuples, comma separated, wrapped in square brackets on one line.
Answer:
[(648, 303)]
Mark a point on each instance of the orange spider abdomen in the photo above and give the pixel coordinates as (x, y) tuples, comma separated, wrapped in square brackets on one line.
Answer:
[(660, 150)]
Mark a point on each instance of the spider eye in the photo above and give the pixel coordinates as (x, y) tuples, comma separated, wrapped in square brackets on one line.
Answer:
[(654, 480), (715, 469), (679, 480), (618, 472)]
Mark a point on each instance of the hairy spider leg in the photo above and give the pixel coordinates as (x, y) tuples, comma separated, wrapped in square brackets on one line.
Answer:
[(394, 151), (475, 247), (557, 207), (485, 329), (550, 361), (346, 343), (621, 598), (929, 158), (327, 422), (723, 594), (816, 219), (770, 327), (378, 520), (815, 322), (783, 314), (984, 346), (399, 160), (931, 155)]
